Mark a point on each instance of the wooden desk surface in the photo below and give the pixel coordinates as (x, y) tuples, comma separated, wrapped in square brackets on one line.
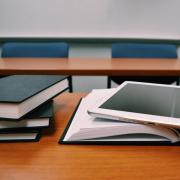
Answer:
[(47, 160), (93, 66)]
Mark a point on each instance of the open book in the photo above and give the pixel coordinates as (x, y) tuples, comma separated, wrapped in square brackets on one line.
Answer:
[(83, 128)]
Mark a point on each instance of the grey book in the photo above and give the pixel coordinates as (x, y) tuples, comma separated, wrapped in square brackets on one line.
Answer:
[(20, 94), (39, 118), (20, 136)]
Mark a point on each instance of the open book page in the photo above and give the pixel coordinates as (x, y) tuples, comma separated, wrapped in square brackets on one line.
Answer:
[(84, 126), (82, 118)]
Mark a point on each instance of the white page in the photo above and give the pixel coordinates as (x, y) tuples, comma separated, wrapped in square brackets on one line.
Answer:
[(81, 117)]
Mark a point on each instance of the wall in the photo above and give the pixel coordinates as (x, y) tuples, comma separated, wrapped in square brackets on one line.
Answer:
[(90, 18)]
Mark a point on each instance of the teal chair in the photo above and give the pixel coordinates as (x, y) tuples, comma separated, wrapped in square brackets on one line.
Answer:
[(37, 50), (137, 50)]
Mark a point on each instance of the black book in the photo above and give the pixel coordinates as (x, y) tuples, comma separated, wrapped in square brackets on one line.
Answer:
[(38, 118), (20, 94), (85, 129), (20, 136)]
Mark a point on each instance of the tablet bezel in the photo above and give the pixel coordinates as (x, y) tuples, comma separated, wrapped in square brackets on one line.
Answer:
[(96, 111)]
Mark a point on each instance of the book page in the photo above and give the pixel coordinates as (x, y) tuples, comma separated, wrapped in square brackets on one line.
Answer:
[(82, 119)]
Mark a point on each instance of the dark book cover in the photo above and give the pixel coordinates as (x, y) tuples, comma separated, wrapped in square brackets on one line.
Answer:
[(18, 88)]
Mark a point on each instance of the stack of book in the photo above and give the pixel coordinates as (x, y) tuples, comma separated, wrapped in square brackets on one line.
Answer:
[(26, 105), (133, 113)]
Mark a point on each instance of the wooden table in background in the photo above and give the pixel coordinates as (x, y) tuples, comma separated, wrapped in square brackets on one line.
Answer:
[(90, 66), (48, 160)]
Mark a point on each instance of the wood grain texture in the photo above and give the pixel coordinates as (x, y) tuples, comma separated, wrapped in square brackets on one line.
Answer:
[(87, 66), (48, 160)]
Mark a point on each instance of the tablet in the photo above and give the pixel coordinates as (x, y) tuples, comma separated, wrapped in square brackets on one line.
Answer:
[(141, 103)]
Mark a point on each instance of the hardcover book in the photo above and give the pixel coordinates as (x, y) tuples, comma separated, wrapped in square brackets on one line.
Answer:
[(85, 129), (20, 136), (21, 94), (39, 118)]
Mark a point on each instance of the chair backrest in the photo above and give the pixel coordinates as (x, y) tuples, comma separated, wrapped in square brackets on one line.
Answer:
[(137, 50), (27, 49)]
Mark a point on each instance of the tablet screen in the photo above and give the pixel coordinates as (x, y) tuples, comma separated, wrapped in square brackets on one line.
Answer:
[(146, 99)]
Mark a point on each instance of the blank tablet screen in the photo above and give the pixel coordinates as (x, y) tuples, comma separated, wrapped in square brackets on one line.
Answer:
[(146, 99)]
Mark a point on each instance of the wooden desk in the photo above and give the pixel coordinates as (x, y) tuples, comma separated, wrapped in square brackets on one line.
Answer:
[(47, 160), (85, 66)]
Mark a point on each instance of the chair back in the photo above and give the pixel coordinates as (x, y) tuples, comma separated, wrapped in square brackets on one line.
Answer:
[(137, 50), (21, 49)]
